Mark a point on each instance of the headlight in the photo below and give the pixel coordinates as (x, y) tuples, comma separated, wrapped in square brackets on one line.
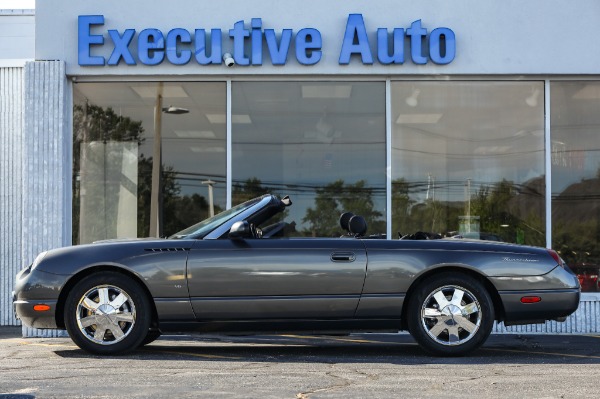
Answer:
[(38, 259)]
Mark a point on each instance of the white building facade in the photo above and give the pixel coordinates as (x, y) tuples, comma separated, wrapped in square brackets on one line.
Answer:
[(470, 118)]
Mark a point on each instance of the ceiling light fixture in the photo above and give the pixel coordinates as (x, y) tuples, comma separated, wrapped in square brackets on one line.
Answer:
[(532, 100), (175, 110), (413, 99)]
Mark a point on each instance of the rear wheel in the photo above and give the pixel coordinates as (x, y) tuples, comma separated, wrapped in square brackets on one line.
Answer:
[(107, 313), (151, 336), (450, 314)]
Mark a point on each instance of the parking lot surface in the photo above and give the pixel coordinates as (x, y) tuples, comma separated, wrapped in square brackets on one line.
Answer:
[(301, 366)]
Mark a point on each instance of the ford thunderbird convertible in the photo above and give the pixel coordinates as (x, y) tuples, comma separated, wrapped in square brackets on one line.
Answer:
[(239, 272)]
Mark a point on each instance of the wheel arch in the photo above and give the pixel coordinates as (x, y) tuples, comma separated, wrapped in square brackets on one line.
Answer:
[(64, 293), (493, 292)]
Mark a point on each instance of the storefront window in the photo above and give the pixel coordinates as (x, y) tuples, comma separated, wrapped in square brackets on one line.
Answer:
[(114, 128), (468, 160), (322, 143), (575, 134)]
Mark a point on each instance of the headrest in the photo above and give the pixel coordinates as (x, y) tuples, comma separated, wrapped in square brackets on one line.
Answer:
[(345, 219), (357, 225)]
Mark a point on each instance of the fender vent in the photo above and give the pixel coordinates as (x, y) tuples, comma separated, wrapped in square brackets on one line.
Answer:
[(166, 249)]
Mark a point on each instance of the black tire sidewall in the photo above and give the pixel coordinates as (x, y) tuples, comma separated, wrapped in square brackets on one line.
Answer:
[(432, 284), (151, 336), (137, 295)]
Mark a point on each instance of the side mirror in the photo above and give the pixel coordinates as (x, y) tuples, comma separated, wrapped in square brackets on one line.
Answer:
[(240, 230)]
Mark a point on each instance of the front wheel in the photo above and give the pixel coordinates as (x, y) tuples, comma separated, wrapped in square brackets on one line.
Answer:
[(107, 313), (450, 314)]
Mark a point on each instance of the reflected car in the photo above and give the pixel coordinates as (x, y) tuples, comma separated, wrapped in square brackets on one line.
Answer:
[(239, 272), (587, 273), (480, 236)]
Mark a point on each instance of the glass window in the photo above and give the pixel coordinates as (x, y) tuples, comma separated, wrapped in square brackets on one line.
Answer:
[(575, 135), (322, 143), (468, 160), (115, 185)]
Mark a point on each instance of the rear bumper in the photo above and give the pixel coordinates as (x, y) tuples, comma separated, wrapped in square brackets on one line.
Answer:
[(554, 305), (559, 291)]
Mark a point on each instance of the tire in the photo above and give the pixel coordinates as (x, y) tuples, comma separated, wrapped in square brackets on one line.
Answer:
[(107, 313), (450, 314), (151, 336)]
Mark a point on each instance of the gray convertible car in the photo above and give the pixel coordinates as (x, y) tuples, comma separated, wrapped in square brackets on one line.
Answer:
[(238, 272)]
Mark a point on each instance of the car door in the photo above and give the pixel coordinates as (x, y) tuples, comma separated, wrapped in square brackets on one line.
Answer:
[(276, 278)]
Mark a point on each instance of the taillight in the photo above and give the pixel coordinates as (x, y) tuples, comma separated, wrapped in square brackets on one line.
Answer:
[(557, 258)]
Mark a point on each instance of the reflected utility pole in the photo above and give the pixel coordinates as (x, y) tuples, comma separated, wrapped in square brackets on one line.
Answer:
[(156, 190), (468, 198), (211, 206)]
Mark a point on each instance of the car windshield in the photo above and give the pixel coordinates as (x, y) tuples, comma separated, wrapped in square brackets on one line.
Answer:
[(199, 230)]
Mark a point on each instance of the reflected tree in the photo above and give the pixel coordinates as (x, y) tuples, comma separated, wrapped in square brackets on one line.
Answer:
[(95, 124), (576, 227), (513, 212), (510, 212), (334, 199), (245, 191)]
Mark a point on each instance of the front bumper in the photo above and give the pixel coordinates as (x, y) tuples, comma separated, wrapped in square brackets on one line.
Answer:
[(25, 312), (34, 287)]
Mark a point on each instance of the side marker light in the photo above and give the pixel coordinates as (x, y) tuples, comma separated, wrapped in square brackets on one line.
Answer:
[(531, 299), (41, 308)]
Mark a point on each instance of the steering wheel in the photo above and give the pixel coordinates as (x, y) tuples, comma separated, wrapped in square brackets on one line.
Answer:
[(255, 231)]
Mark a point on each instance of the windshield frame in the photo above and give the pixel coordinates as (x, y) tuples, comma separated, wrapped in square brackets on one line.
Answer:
[(204, 228)]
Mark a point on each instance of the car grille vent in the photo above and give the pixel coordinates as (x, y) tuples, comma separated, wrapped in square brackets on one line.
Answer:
[(166, 249)]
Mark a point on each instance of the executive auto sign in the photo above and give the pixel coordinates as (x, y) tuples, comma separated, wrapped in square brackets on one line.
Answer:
[(180, 46)]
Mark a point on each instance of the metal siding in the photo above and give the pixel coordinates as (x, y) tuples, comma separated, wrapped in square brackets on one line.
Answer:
[(46, 172), (585, 320), (11, 128)]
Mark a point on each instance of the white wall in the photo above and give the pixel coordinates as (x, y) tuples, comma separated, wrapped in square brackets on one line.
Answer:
[(493, 37), (17, 37)]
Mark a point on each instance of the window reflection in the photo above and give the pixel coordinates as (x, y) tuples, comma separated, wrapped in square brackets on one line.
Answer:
[(322, 143), (576, 177), (468, 160), (114, 130)]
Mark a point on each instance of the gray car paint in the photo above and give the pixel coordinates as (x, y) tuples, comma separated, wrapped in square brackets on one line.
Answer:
[(285, 279)]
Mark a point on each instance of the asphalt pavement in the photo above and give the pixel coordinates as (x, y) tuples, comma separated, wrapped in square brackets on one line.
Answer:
[(300, 367)]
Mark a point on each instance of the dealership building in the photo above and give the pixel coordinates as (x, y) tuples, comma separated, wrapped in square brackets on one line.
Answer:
[(466, 119)]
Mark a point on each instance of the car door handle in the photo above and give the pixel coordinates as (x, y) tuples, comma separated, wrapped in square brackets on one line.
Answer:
[(343, 257)]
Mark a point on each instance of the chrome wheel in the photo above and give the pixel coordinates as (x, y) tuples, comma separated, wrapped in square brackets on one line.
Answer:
[(106, 314), (451, 315)]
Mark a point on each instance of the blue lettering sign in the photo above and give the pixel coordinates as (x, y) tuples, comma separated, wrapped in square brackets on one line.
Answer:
[(174, 54), (239, 35), (86, 39), (397, 46), (215, 47), (308, 46), (256, 39), (178, 46), (151, 44), (435, 46), (121, 49), (355, 41), (279, 53), (417, 33)]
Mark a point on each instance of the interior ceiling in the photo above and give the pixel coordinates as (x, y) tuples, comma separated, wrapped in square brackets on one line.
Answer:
[(135, 100), (467, 111)]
